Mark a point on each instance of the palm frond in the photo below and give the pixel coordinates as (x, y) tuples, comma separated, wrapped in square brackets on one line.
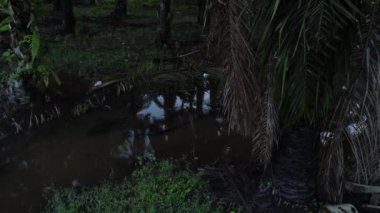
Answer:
[(308, 37), (356, 119), (237, 58), (266, 137), (248, 102)]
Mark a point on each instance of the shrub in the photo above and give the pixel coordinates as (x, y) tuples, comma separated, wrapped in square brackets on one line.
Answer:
[(156, 187)]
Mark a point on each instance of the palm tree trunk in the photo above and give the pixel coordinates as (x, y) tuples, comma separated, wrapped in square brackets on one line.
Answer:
[(57, 5), (294, 171), (214, 90), (201, 11), (165, 16), (169, 102), (68, 17), (200, 99), (120, 9), (92, 2)]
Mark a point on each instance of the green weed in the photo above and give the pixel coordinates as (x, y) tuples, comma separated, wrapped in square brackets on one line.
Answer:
[(156, 187), (101, 50)]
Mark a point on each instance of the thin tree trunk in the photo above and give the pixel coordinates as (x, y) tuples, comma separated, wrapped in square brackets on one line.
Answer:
[(200, 99), (92, 2), (68, 17), (57, 6), (201, 11), (120, 8), (169, 102), (214, 84), (165, 17)]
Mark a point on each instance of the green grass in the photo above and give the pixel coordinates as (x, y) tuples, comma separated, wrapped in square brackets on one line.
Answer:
[(100, 50), (156, 187)]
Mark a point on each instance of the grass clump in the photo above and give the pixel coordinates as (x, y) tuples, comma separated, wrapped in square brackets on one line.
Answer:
[(156, 187)]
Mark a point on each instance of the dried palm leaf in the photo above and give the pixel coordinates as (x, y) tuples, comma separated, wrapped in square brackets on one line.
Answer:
[(356, 120)]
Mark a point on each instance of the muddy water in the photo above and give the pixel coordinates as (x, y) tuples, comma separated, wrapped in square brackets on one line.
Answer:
[(106, 143)]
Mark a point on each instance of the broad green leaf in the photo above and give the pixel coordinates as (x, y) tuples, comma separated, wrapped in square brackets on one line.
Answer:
[(35, 44), (4, 25)]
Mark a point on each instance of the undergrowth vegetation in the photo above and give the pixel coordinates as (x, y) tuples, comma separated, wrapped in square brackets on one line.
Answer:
[(155, 187), (105, 47)]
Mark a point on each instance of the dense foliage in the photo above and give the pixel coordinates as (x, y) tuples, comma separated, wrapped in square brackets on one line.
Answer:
[(305, 64), (156, 187), (22, 35)]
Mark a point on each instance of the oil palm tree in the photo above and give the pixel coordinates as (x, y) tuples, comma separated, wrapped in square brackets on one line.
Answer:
[(120, 8), (164, 21), (68, 17), (304, 65)]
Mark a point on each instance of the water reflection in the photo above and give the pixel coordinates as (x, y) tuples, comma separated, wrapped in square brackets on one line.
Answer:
[(152, 111), (125, 150), (148, 148), (163, 107), (12, 96), (166, 124)]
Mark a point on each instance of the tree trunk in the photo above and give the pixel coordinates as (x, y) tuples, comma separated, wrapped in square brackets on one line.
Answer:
[(57, 5), (165, 17), (294, 170), (169, 102), (92, 2), (201, 11), (214, 89), (200, 99), (68, 17), (120, 8)]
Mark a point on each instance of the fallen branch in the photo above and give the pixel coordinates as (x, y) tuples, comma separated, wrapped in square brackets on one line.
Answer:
[(158, 60), (106, 84), (361, 189)]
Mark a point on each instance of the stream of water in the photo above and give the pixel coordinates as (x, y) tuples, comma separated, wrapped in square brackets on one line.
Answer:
[(105, 144)]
